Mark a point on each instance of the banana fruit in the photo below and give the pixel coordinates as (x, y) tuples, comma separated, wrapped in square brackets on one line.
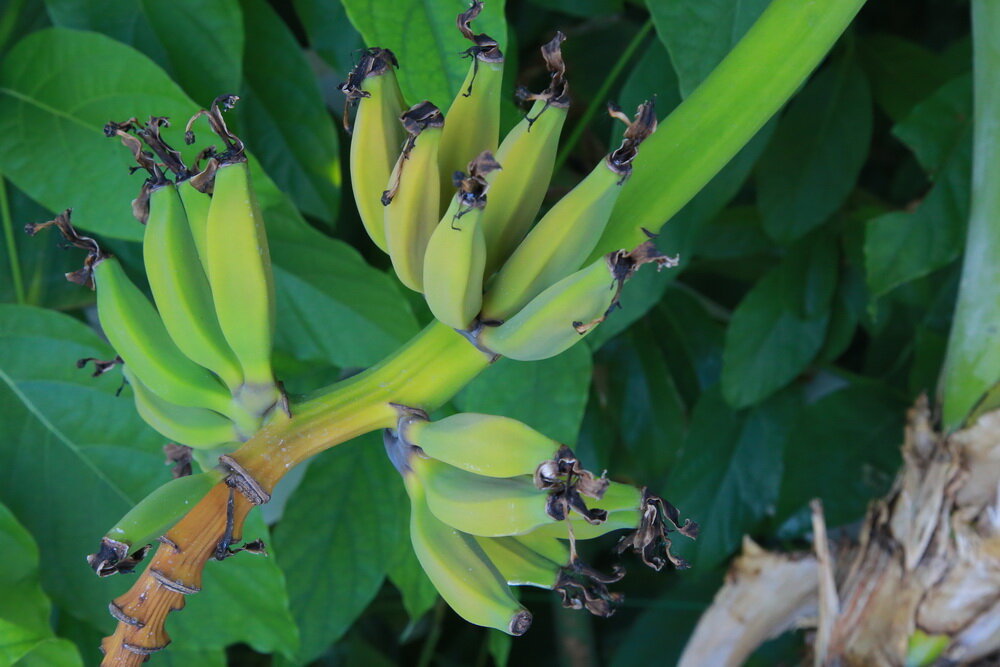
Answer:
[(566, 235), (412, 200), (456, 253), (530, 148), (519, 564), (564, 313), (376, 136), (474, 115)]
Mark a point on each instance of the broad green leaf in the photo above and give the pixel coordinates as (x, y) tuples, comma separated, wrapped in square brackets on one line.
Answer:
[(781, 324), (548, 395), (243, 599), (734, 233), (19, 18), (843, 449), (406, 574), (902, 246), (499, 645), (817, 152), (901, 72), (58, 88), (52, 652), (75, 457), (330, 34), (652, 75), (423, 36), (699, 33), (587, 9), (200, 44), (729, 472), (284, 118), (177, 656), (339, 534), (24, 608), (691, 338)]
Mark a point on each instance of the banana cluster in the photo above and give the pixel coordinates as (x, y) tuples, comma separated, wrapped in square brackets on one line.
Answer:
[(199, 357), (456, 208), (491, 503)]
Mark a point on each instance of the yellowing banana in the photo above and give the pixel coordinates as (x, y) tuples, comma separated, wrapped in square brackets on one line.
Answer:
[(474, 115), (530, 148), (180, 288), (198, 428), (519, 564), (482, 444), (412, 200), (566, 235), (561, 315), (456, 253), (376, 136), (460, 570)]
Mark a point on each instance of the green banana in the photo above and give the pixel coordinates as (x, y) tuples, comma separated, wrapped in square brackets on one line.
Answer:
[(412, 200), (376, 135), (561, 315), (566, 235), (482, 444), (196, 205), (456, 253), (149, 519), (180, 288), (530, 147), (519, 564), (195, 427), (582, 530), (460, 570), (474, 115)]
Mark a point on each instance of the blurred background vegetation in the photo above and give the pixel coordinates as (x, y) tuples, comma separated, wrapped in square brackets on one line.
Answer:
[(812, 306)]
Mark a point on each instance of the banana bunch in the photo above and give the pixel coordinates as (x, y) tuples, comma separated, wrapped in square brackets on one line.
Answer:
[(459, 206), (198, 358), (491, 501)]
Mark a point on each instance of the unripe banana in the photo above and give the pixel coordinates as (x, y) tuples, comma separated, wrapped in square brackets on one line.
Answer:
[(412, 200), (196, 205), (582, 530), (474, 115), (456, 253), (180, 288), (460, 570), (482, 444), (376, 136), (561, 315), (530, 148), (519, 564), (149, 519), (195, 427), (566, 235)]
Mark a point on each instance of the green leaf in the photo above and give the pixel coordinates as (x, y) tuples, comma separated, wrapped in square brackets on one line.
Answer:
[(330, 34), (699, 33), (814, 160), (58, 88), (24, 608), (406, 574), (284, 118), (902, 246), (691, 338), (844, 449), (243, 599), (728, 475), (423, 36), (781, 324), (339, 534), (548, 395), (52, 651), (75, 457), (734, 233), (499, 645), (200, 44)]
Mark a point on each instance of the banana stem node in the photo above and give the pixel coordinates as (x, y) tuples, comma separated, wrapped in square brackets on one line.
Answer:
[(120, 615), (241, 480)]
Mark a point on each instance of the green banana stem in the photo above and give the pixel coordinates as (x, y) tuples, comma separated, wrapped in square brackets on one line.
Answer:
[(972, 363), (749, 86)]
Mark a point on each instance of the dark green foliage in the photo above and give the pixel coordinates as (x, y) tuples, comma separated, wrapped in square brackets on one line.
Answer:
[(812, 306)]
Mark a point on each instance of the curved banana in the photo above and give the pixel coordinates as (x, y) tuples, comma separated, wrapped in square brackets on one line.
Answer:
[(456, 253), (561, 315), (530, 147), (519, 564), (196, 205), (197, 428), (180, 288), (482, 444), (412, 200), (582, 530), (460, 570), (566, 235), (474, 115), (150, 518), (376, 136)]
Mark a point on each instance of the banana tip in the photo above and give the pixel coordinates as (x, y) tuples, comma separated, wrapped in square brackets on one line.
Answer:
[(520, 623)]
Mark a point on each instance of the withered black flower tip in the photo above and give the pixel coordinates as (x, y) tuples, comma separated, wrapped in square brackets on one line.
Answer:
[(556, 94), (113, 558), (179, 457), (520, 623)]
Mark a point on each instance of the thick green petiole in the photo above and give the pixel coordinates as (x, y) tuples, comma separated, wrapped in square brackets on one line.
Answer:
[(972, 364), (749, 86)]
